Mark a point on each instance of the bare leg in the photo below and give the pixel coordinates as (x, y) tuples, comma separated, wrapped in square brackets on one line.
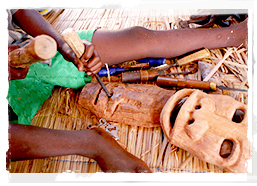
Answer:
[(137, 42), (30, 142)]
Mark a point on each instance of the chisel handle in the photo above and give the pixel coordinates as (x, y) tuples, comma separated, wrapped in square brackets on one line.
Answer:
[(40, 48), (113, 71), (142, 75), (184, 83), (73, 40), (204, 53), (153, 61)]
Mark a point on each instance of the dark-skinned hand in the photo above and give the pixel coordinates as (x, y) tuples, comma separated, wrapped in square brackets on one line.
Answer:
[(89, 62), (16, 73)]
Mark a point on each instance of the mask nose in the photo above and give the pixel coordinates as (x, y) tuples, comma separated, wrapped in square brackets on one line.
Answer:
[(195, 127)]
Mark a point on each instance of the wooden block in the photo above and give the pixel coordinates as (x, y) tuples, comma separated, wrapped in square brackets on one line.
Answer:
[(204, 53)]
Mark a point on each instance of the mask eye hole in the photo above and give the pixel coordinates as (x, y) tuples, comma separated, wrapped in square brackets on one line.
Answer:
[(176, 110), (197, 107), (226, 148), (238, 116), (191, 121)]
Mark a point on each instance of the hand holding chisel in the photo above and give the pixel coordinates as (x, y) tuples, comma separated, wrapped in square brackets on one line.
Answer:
[(78, 47)]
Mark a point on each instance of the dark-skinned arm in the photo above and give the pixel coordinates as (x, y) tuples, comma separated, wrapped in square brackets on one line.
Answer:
[(32, 22), (31, 142)]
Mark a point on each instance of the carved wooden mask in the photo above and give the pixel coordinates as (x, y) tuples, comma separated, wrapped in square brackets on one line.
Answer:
[(208, 126)]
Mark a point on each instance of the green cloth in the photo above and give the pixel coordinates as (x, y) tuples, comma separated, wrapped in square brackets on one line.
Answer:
[(26, 96)]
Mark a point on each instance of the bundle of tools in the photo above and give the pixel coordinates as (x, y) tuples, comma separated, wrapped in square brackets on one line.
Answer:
[(157, 70)]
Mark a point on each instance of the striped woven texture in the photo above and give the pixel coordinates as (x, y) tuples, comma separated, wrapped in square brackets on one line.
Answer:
[(61, 111)]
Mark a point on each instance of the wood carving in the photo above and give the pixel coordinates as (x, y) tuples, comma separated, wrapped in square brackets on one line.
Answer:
[(40, 48), (209, 127), (132, 104)]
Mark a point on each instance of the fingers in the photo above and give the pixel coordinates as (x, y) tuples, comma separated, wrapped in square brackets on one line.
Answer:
[(17, 73), (70, 56), (94, 66), (90, 61), (89, 51)]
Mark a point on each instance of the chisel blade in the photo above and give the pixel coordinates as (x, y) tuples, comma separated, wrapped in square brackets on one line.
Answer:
[(103, 86), (234, 89)]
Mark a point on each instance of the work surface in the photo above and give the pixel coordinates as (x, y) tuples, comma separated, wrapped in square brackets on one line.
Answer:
[(61, 111)]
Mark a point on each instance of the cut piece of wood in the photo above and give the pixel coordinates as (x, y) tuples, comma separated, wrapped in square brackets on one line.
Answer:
[(40, 48), (132, 104), (205, 69)]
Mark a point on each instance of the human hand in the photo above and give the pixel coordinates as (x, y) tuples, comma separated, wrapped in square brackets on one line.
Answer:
[(16, 73), (89, 62), (111, 157)]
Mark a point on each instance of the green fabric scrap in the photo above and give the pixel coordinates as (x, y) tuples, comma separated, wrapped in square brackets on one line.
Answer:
[(26, 96), (86, 34), (61, 73)]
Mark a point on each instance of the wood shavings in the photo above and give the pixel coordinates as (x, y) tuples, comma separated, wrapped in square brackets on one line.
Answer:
[(218, 65)]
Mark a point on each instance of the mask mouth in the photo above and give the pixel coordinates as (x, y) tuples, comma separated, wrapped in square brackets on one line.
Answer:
[(226, 148)]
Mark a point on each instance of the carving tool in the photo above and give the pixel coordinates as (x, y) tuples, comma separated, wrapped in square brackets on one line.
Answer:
[(188, 83), (159, 62), (145, 75), (40, 48), (112, 70), (143, 63), (74, 41), (204, 53), (153, 61)]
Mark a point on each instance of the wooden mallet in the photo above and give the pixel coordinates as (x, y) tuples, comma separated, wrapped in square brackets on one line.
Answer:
[(40, 48)]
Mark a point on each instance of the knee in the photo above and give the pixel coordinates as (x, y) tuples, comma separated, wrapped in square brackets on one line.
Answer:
[(138, 32)]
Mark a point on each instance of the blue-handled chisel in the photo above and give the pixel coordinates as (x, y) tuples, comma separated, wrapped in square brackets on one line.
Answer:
[(148, 62), (153, 61)]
